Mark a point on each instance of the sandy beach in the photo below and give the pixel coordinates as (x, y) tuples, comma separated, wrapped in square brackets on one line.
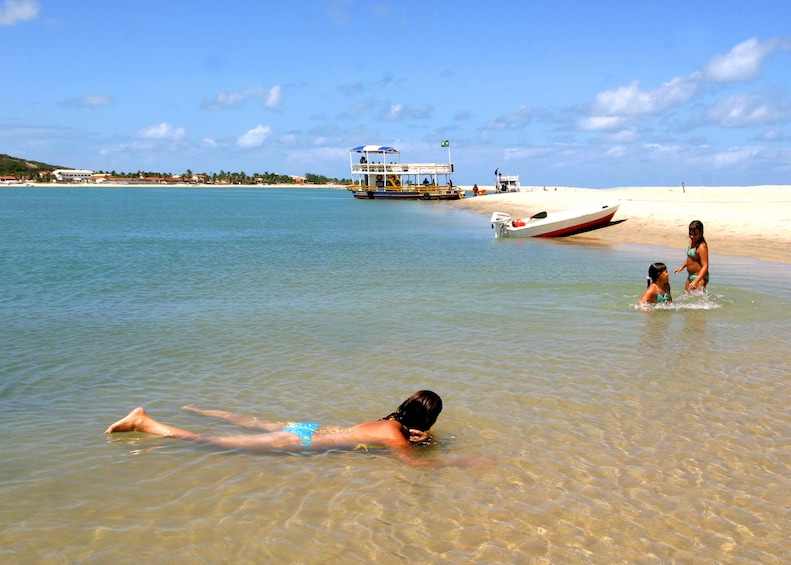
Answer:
[(745, 221)]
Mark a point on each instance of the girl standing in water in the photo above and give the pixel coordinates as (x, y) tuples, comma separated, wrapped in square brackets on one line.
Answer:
[(697, 261)]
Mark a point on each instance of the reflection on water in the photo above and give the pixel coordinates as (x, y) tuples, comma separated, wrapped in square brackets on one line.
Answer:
[(620, 435)]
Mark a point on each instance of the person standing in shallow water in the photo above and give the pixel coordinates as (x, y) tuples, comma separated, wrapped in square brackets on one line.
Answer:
[(657, 286), (697, 261), (408, 425)]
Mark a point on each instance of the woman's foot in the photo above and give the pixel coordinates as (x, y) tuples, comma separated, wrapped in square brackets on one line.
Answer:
[(135, 421)]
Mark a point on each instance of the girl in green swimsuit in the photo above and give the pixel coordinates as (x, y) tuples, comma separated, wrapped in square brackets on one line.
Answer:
[(697, 260), (657, 286)]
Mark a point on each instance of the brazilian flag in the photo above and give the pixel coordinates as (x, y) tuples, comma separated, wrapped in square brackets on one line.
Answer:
[(446, 143)]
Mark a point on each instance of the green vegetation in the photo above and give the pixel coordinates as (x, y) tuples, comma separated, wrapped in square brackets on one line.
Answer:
[(321, 179), (23, 169)]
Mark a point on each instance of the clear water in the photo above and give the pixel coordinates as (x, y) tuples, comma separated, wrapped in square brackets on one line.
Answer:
[(619, 436)]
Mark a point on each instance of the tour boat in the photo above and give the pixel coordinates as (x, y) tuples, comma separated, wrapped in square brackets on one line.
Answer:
[(555, 224), (377, 173)]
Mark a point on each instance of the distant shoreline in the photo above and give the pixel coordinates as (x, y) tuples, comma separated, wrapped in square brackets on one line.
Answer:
[(133, 184)]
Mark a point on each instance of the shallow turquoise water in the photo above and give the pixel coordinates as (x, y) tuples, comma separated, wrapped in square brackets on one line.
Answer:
[(620, 436)]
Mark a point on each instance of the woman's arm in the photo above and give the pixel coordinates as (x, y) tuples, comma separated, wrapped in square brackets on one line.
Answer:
[(388, 432), (649, 296), (249, 422)]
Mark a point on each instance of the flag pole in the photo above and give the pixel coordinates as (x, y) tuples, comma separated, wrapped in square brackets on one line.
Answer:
[(446, 143)]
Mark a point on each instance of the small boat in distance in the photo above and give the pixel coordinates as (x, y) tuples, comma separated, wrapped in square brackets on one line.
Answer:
[(377, 173), (506, 183), (555, 224)]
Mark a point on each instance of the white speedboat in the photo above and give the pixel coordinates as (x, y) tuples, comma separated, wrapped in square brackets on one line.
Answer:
[(555, 224)]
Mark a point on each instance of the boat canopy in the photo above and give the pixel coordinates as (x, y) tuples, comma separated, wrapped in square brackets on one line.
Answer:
[(374, 149)]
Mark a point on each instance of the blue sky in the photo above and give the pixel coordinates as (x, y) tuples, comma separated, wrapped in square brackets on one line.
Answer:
[(568, 93)]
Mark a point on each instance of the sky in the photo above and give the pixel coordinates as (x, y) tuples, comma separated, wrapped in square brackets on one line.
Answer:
[(566, 93)]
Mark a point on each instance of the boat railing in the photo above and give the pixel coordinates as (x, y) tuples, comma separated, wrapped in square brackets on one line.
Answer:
[(402, 168), (509, 178), (431, 188)]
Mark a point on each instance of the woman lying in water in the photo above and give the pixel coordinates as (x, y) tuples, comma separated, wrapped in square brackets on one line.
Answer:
[(409, 424)]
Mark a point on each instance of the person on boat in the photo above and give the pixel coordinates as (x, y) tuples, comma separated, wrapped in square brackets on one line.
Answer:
[(408, 425), (657, 286), (697, 260)]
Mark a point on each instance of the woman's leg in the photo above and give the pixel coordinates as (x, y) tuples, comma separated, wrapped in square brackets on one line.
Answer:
[(249, 422), (139, 421)]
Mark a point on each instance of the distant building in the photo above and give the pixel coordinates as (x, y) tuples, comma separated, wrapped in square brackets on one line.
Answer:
[(72, 175)]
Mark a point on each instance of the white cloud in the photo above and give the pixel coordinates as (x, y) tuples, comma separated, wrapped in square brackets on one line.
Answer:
[(352, 89), (254, 138), (357, 109), (232, 98), (162, 131), (398, 111), (775, 134), (744, 61), (631, 101), (745, 110), (596, 123), (90, 101), (274, 100), (732, 157), (629, 135), (14, 11), (395, 112), (517, 119)]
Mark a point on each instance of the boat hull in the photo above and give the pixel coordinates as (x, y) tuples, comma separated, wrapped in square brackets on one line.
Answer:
[(556, 224), (407, 195)]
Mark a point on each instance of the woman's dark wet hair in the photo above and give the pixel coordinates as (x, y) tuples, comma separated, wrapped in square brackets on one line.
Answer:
[(419, 411), (654, 271)]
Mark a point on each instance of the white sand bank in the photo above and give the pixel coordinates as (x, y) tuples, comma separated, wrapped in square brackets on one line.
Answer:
[(752, 221)]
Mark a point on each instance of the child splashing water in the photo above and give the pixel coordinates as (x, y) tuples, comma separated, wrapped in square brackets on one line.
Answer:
[(657, 286)]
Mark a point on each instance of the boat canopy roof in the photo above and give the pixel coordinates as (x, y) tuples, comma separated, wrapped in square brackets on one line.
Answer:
[(374, 149)]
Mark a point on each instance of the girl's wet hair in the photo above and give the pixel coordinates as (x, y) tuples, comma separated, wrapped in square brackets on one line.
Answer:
[(654, 271), (697, 225), (419, 411)]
